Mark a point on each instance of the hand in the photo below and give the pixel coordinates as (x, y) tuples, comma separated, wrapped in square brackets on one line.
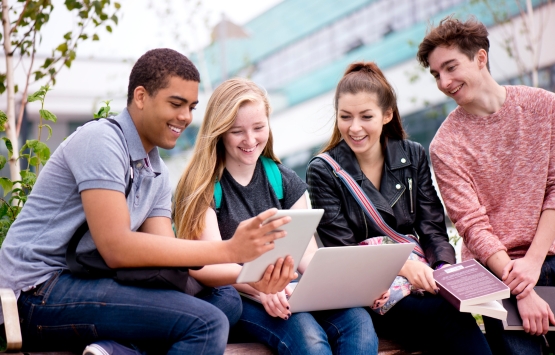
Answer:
[(276, 277), (535, 313), (521, 275), (276, 304), (380, 301), (252, 239), (419, 275)]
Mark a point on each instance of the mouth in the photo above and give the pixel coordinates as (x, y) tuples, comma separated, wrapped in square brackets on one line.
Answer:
[(453, 92), (357, 139), (176, 129), (249, 150)]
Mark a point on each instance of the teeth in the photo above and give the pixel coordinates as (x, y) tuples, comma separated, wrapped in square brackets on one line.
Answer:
[(357, 139), (247, 150), (457, 89), (175, 129)]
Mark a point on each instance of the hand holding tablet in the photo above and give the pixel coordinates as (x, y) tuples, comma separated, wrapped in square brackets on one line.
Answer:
[(299, 232)]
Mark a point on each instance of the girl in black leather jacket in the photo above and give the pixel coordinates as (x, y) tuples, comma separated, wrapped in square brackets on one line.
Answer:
[(368, 141)]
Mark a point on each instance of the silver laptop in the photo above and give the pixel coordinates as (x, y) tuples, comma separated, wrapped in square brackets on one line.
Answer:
[(346, 277)]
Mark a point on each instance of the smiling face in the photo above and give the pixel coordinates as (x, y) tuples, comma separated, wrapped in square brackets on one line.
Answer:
[(456, 75), (360, 122), (163, 117), (245, 141)]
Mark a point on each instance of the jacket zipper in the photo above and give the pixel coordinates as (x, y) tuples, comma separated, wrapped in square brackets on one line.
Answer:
[(410, 194)]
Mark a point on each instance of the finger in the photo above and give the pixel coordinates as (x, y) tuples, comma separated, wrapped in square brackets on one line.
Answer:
[(517, 287), (526, 324), (544, 325), (268, 308), (507, 269), (283, 303), (525, 292), (551, 316)]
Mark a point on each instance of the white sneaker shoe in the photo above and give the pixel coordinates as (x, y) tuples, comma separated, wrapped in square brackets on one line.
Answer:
[(109, 347)]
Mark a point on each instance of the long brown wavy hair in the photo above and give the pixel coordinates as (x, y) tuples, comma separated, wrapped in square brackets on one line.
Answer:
[(367, 77), (195, 190)]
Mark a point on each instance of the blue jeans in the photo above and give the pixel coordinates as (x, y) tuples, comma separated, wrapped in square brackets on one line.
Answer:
[(67, 313), (520, 342), (432, 324), (344, 331)]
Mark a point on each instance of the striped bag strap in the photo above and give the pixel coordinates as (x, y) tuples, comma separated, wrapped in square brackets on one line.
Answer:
[(367, 205)]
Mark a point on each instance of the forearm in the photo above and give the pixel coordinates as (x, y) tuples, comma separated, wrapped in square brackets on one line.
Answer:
[(544, 237), (217, 275), (497, 262), (136, 249)]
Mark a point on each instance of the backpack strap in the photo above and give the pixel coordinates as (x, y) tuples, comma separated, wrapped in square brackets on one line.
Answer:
[(272, 173), (71, 252), (367, 206)]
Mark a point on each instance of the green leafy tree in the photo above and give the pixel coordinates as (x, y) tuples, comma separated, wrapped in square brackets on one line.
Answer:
[(22, 22)]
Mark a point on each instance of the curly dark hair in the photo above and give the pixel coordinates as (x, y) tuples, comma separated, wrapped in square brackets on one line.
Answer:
[(469, 37), (154, 69)]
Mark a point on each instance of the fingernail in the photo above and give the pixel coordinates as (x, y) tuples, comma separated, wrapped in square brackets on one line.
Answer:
[(289, 315), (287, 307), (436, 290), (286, 318)]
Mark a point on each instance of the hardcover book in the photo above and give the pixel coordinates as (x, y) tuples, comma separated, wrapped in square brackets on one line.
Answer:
[(514, 322), (470, 287)]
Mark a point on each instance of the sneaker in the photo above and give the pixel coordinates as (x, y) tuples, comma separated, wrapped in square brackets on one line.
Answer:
[(109, 347)]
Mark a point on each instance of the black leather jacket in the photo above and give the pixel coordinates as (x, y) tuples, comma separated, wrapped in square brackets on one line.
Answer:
[(407, 200)]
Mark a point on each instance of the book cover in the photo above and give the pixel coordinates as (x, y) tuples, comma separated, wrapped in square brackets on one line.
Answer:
[(469, 287), (514, 322)]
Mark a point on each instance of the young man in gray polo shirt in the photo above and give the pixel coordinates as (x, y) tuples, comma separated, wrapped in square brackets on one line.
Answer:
[(86, 177)]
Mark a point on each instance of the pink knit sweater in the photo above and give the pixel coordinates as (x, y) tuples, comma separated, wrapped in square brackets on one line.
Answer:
[(496, 174)]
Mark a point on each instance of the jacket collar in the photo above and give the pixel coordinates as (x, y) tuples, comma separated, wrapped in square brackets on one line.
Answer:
[(396, 157)]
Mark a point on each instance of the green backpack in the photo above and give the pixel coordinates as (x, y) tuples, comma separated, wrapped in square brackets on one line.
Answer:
[(273, 174)]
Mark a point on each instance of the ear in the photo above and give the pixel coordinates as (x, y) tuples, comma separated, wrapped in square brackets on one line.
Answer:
[(139, 96), (387, 116), (482, 58)]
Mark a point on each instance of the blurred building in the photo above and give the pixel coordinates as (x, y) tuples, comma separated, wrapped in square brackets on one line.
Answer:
[(299, 49)]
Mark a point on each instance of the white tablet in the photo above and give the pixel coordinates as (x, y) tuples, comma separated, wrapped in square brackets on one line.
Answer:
[(299, 231)]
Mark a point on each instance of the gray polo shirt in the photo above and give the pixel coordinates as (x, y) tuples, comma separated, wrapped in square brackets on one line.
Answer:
[(96, 156)]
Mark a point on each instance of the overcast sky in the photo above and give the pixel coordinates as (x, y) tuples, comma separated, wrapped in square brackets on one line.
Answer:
[(147, 24)]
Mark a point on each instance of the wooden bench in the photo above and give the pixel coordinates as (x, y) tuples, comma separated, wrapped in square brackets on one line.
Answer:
[(14, 340)]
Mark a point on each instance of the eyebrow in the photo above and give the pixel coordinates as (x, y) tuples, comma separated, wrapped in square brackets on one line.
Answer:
[(254, 124), (359, 112), (443, 65), (182, 99)]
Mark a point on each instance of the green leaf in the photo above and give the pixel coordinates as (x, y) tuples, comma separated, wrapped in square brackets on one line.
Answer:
[(39, 95), (34, 161), (3, 120), (49, 130), (28, 177), (6, 185), (95, 37), (3, 209), (109, 28), (47, 115), (3, 161), (16, 88), (117, 5), (9, 146), (62, 48), (40, 149), (67, 36)]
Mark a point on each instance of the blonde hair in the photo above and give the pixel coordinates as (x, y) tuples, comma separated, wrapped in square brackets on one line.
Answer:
[(195, 190), (367, 77)]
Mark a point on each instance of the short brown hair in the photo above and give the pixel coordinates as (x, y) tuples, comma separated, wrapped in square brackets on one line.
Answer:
[(469, 37), (368, 78), (154, 69)]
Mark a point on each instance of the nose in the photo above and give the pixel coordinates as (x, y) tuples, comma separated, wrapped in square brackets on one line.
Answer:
[(355, 125), (186, 116), (249, 138), (444, 82)]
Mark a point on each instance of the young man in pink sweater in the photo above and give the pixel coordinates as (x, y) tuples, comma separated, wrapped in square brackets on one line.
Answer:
[(494, 160)]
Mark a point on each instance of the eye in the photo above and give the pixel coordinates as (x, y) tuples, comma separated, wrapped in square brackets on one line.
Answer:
[(345, 117), (175, 104), (259, 128), (192, 108), (367, 117), (235, 132), (451, 68)]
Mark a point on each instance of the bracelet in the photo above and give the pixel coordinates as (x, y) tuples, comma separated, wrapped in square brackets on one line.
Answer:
[(440, 265)]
